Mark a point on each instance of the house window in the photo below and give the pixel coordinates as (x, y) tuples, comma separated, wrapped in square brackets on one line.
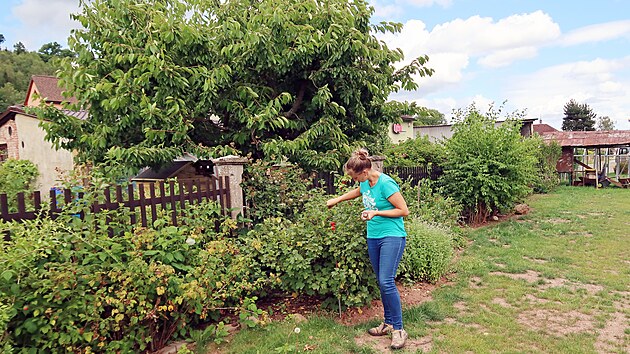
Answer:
[(4, 152), (10, 131)]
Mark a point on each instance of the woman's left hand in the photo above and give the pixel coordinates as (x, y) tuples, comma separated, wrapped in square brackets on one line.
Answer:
[(368, 215)]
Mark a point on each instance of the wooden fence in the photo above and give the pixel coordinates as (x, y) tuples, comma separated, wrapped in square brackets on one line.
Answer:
[(416, 173), (143, 200), (326, 180)]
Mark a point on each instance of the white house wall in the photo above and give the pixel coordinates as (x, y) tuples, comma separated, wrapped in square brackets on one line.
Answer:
[(32, 146)]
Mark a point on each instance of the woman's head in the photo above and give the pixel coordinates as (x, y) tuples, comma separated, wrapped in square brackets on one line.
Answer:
[(358, 164)]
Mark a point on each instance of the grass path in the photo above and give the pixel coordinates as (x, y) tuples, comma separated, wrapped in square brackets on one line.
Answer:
[(554, 281)]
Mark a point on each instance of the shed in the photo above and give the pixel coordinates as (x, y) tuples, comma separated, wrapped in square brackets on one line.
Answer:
[(585, 173)]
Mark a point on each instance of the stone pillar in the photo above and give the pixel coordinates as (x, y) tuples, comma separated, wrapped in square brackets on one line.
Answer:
[(232, 166), (377, 162)]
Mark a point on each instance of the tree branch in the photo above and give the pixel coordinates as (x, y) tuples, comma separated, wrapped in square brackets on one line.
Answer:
[(298, 101)]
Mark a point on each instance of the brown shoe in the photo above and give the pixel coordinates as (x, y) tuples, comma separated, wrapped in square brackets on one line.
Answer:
[(399, 337), (382, 330)]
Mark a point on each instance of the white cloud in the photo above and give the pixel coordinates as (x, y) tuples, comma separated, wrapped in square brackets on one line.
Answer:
[(506, 57), (597, 33), (427, 3), (45, 21), (481, 35), (602, 84), (452, 45)]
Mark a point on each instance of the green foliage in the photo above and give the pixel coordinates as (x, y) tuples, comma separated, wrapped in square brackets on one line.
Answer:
[(305, 79), (72, 287), (53, 50), (605, 123), (17, 176), (430, 206), (578, 117), (311, 255), (488, 167), (429, 116), (428, 252), (15, 74), (414, 152), (547, 156), (274, 190)]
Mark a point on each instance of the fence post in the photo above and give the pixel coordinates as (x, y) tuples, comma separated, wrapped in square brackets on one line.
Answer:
[(232, 166), (377, 162)]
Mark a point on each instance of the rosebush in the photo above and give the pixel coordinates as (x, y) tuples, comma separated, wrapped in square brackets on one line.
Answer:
[(71, 287), (320, 252), (274, 190)]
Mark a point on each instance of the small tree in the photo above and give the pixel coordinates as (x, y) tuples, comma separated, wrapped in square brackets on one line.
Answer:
[(578, 117), (19, 48), (605, 123), (489, 167)]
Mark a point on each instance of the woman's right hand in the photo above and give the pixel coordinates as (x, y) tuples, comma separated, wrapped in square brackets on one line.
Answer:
[(331, 202)]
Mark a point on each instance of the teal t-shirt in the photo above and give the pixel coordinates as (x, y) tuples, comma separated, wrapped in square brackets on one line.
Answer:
[(375, 198)]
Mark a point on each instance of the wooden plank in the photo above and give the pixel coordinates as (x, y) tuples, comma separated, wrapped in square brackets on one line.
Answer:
[(131, 204), (153, 202), (171, 185), (4, 207), (143, 208)]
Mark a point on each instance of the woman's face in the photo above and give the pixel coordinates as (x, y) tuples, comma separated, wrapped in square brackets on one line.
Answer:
[(358, 176)]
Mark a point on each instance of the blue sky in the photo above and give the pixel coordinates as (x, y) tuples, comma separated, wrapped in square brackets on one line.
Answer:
[(535, 54)]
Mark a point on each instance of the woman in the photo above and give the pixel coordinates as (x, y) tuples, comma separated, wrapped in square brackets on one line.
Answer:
[(385, 208)]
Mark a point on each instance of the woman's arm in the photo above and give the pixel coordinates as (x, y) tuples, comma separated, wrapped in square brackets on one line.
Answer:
[(355, 193), (400, 208)]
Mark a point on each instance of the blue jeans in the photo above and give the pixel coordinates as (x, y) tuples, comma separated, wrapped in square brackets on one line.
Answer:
[(385, 254)]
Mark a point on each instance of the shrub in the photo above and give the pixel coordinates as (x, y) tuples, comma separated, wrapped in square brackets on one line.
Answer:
[(430, 206), (414, 152), (488, 167), (72, 287), (311, 256), (274, 190), (17, 176), (428, 252), (547, 156)]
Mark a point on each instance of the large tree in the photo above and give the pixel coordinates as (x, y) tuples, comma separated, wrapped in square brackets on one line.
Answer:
[(578, 116), (304, 79)]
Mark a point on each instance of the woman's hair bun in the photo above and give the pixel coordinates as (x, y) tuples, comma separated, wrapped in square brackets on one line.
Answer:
[(361, 153)]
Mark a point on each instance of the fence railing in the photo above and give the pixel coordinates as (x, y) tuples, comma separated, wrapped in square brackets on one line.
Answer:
[(415, 174), (143, 200)]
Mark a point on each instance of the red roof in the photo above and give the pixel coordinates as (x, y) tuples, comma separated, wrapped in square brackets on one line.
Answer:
[(600, 138), (543, 128), (48, 89)]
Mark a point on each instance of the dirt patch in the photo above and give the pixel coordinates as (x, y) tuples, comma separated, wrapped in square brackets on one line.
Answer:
[(573, 286), (530, 276), (557, 221), (611, 336), (535, 260), (501, 302), (555, 322), (381, 344), (475, 283), (410, 296)]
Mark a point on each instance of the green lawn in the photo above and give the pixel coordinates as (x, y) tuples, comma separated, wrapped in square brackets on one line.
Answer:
[(554, 281)]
